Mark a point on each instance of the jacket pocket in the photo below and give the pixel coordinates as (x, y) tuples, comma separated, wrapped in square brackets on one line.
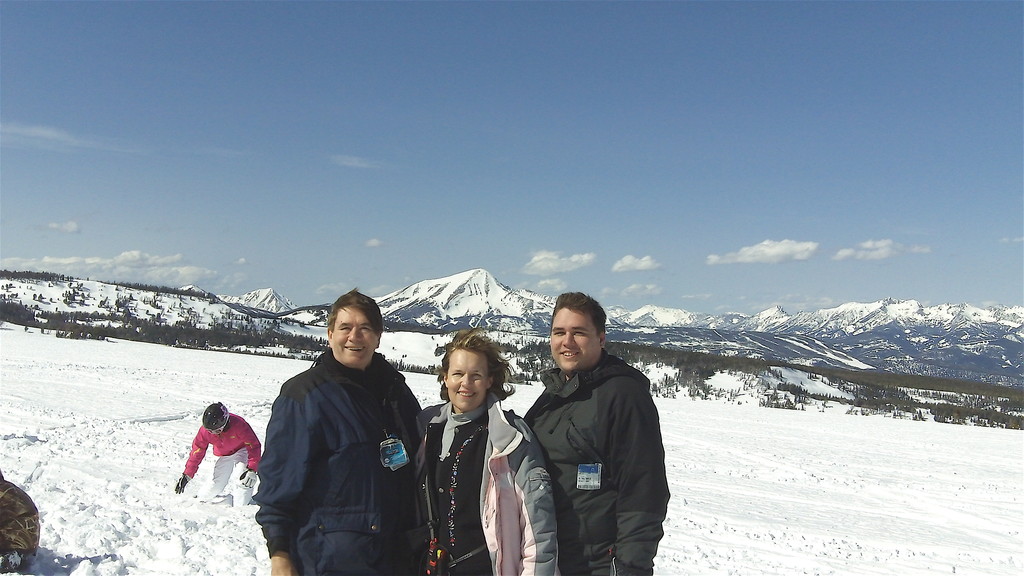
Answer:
[(582, 445), (348, 543)]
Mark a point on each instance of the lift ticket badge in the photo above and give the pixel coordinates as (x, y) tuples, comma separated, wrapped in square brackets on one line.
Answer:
[(588, 477), (393, 454)]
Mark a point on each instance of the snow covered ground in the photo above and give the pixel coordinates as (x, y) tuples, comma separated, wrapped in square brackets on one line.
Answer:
[(97, 433)]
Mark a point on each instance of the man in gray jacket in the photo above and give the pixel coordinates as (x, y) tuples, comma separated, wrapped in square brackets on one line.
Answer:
[(598, 427)]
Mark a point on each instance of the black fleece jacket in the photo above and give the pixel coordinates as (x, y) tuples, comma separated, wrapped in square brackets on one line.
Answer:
[(604, 416)]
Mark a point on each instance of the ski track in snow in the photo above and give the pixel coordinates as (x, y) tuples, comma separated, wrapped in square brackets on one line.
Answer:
[(98, 432)]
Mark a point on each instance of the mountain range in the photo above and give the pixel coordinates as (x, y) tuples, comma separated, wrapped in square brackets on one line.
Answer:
[(947, 340)]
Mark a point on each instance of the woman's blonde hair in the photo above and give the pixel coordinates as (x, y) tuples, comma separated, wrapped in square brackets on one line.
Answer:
[(476, 340)]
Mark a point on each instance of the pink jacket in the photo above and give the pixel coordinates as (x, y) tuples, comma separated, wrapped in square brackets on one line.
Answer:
[(236, 436)]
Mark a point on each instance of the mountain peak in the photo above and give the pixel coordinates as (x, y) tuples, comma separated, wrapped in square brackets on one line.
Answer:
[(263, 299), (469, 298), (657, 316), (772, 312)]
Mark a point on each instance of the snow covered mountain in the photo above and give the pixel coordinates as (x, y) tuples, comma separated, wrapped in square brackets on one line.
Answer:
[(953, 341), (846, 319), (471, 298), (263, 299), (655, 316), (949, 340)]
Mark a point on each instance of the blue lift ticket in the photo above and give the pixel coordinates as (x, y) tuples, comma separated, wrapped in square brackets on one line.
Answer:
[(393, 454), (588, 477)]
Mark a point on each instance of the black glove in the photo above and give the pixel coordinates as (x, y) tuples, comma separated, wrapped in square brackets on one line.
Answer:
[(182, 482), (248, 478)]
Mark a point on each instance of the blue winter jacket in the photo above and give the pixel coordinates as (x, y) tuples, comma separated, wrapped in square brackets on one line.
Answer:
[(324, 495)]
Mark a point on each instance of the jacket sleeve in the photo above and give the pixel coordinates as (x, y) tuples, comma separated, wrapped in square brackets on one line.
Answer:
[(283, 471), (638, 469), (252, 446), (540, 553), (198, 452)]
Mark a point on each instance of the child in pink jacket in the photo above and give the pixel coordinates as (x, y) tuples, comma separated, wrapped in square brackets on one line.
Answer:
[(237, 448)]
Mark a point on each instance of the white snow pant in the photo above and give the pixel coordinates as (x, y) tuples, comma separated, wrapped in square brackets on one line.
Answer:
[(226, 471)]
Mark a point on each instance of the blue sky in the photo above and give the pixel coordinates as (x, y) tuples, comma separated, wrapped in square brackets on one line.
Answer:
[(716, 157)]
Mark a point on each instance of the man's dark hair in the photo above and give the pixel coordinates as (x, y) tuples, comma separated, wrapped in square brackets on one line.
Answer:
[(355, 299), (584, 304)]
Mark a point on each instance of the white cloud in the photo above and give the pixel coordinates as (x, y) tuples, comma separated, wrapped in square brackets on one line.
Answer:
[(333, 290), (704, 296), (48, 138), (374, 243), (552, 285), (354, 161), (130, 266), (241, 262), (630, 263), (641, 290), (375, 291), (1016, 240), (229, 283), (767, 252), (546, 263), (878, 250), (40, 135), (69, 227)]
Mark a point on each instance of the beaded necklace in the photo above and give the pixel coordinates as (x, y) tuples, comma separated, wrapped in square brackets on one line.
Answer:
[(455, 484)]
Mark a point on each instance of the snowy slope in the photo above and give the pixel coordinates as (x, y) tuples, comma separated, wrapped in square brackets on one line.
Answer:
[(93, 297), (813, 384), (97, 433)]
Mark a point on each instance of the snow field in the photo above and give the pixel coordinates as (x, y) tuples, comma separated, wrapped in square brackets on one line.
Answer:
[(98, 432)]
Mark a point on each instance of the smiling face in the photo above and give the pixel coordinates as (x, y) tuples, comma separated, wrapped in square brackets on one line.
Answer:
[(575, 342), (353, 339), (467, 380)]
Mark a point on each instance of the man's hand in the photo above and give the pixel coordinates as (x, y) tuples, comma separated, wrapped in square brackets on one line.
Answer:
[(281, 565), (248, 478), (182, 482)]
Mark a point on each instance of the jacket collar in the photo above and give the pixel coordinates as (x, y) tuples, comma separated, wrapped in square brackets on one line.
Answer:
[(378, 378), (556, 384), (504, 436), (501, 434)]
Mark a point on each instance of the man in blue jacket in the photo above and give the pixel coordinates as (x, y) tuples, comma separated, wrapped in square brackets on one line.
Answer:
[(336, 493), (599, 430)]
